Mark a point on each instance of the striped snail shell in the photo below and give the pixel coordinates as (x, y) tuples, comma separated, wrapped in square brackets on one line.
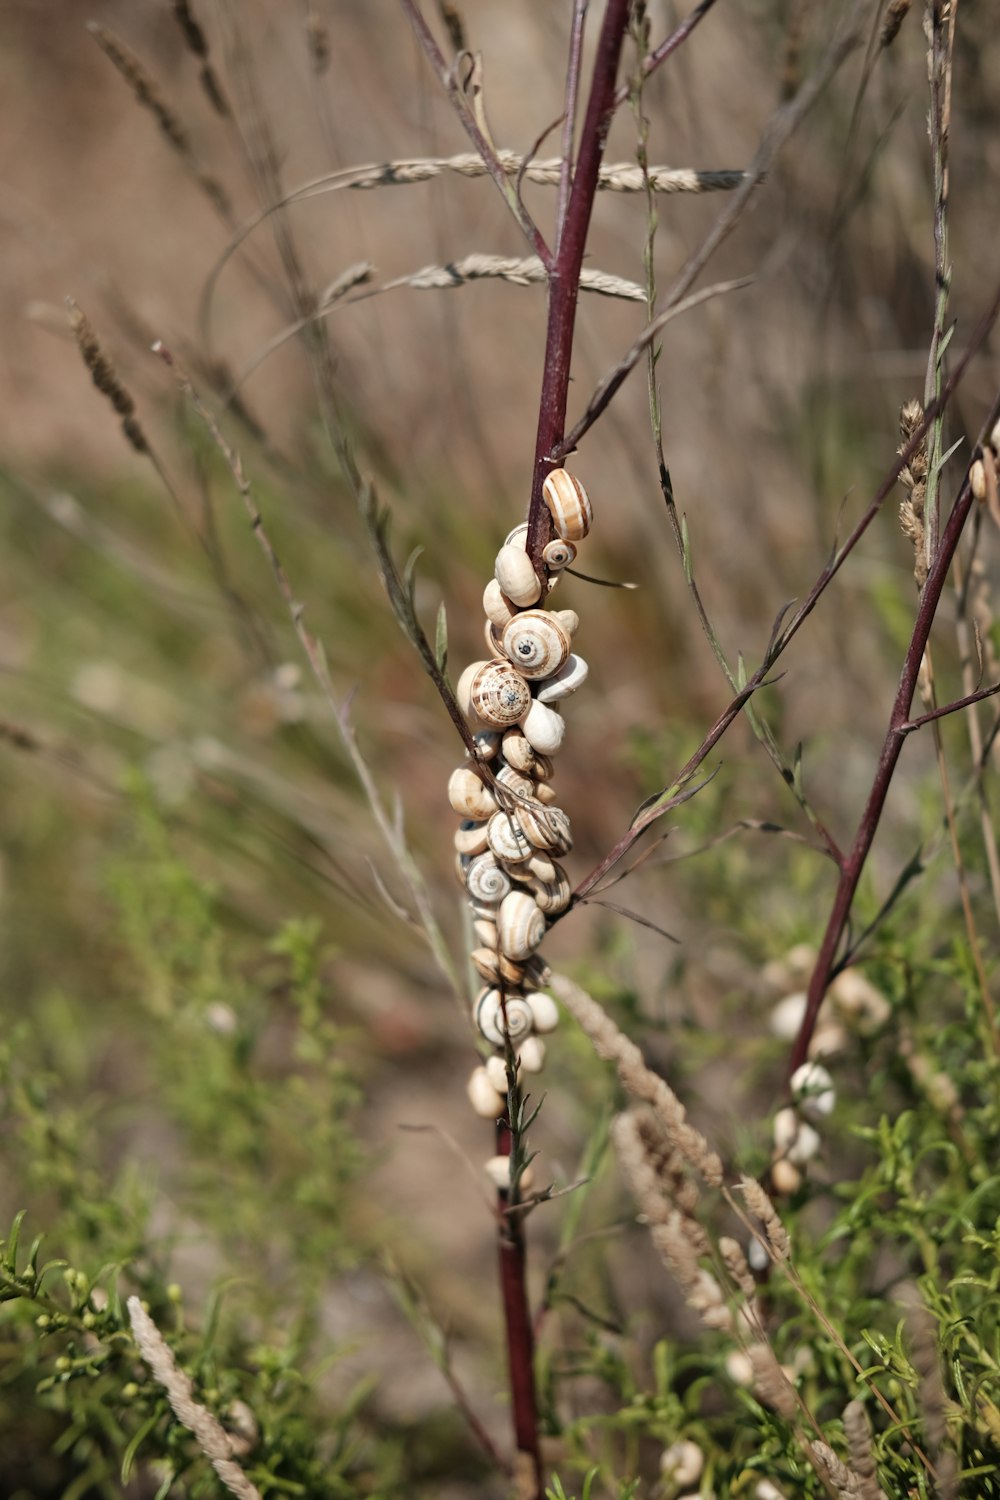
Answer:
[(571, 675), (499, 694), (568, 505), (550, 896), (520, 925), (495, 967), (514, 781), (540, 867), (558, 554), (546, 828), (469, 796), (545, 792), (536, 643), (531, 1054), (537, 971), (543, 769), (471, 837), (496, 606), (515, 573), (507, 840), (543, 728), (485, 881), (518, 537), (483, 1097), (517, 752), (544, 1011), (492, 637), (499, 1018)]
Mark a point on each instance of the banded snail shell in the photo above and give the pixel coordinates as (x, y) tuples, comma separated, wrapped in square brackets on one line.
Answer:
[(499, 1018), (483, 1097), (536, 643), (469, 796), (499, 694), (492, 637), (546, 828), (568, 505), (515, 781), (463, 688), (550, 896), (543, 728), (485, 881), (571, 675), (544, 1011), (496, 606), (518, 537), (558, 554), (516, 751), (495, 967), (541, 868), (531, 1054), (520, 925), (507, 840), (515, 573), (544, 769), (471, 838), (537, 971)]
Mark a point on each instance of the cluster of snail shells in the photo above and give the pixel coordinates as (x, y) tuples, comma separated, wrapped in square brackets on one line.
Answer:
[(513, 833)]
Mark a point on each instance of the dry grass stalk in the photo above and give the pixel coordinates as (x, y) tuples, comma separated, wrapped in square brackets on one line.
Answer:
[(105, 376), (638, 1080), (933, 1399), (195, 39), (913, 478), (845, 1483), (771, 1383), (525, 270), (614, 177), (759, 1204), (859, 1446), (317, 41), (894, 17), (212, 1438), (736, 1264)]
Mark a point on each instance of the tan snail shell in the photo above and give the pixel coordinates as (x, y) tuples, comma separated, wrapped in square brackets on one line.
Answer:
[(507, 840), (550, 896), (499, 694), (514, 781), (515, 573), (545, 792), (571, 675), (517, 752), (483, 1097), (499, 1018), (568, 505), (496, 606), (531, 1054), (491, 635), (536, 643), (544, 768), (541, 868), (471, 838), (546, 828), (558, 554), (468, 795), (463, 688), (543, 728), (520, 925), (544, 1011), (485, 881), (486, 929), (568, 619), (487, 743), (493, 967)]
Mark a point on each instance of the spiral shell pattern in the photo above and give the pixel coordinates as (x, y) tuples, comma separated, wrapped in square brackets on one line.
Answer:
[(512, 829)]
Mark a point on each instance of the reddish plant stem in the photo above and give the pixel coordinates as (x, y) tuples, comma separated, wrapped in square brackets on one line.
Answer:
[(899, 728), (520, 1336), (564, 277)]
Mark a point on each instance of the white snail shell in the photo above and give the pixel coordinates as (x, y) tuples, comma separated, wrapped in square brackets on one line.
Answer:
[(545, 827), (507, 840), (568, 505), (487, 743), (544, 1011), (520, 925), (812, 1088), (570, 676), (499, 694), (463, 688), (496, 1068), (531, 1054), (496, 606), (485, 881), (516, 751), (483, 1096), (469, 796), (491, 635), (499, 1018), (543, 728), (518, 537), (558, 554), (497, 1170), (485, 928), (551, 896), (568, 619), (536, 643), (471, 838), (516, 576)]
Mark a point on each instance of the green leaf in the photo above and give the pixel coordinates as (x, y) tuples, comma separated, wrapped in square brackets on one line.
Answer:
[(129, 1456), (441, 639)]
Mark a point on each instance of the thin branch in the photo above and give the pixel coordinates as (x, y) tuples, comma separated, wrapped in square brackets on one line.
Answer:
[(571, 94), (667, 47), (949, 708)]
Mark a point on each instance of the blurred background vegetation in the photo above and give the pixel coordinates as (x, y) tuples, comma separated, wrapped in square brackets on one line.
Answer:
[(217, 1033)]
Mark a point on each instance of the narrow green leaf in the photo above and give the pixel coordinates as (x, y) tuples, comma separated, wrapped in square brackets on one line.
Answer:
[(139, 1437), (441, 639)]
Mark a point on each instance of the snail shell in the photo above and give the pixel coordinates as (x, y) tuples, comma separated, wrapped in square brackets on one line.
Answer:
[(516, 576), (495, 967), (485, 881), (558, 554), (542, 727), (568, 619), (571, 675), (520, 925), (514, 781), (568, 505), (499, 1019), (469, 796), (544, 768), (486, 929), (531, 1054), (471, 838), (496, 1068), (551, 896), (536, 643), (463, 688), (487, 743), (541, 867), (492, 637), (518, 537), (497, 1170), (507, 840), (499, 694), (545, 827), (537, 971), (545, 792), (483, 1096), (517, 752), (544, 1011), (496, 606)]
